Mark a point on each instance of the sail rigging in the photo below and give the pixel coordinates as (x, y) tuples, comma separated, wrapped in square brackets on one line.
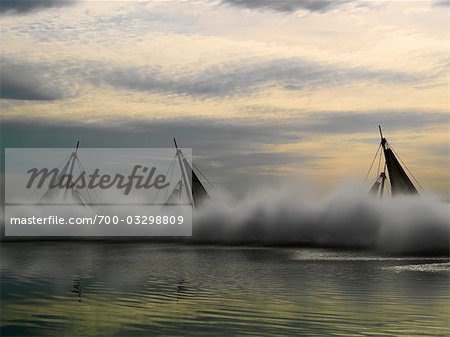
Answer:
[(190, 183), (199, 193), (377, 188), (63, 189), (400, 183), (175, 196)]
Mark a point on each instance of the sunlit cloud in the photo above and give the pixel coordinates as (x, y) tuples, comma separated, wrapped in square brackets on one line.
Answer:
[(253, 86), (240, 79)]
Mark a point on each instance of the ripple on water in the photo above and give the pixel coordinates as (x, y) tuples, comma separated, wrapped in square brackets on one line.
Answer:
[(96, 289), (423, 267)]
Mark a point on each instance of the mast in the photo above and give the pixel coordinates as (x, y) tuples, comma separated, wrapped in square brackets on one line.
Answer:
[(183, 174), (383, 140)]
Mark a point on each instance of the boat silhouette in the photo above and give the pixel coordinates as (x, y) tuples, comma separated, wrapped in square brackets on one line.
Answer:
[(392, 172), (189, 186)]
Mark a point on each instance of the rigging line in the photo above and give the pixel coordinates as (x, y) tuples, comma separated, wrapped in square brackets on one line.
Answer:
[(81, 171), (379, 163), (64, 160), (377, 176), (170, 179), (375, 157), (172, 170), (95, 192), (373, 181), (201, 173), (81, 168), (32, 192), (168, 169), (412, 175), (388, 186)]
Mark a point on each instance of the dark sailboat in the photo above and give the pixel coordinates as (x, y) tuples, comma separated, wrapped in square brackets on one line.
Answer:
[(399, 181), (193, 188)]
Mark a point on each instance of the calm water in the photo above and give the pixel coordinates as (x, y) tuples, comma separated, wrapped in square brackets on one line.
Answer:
[(143, 289)]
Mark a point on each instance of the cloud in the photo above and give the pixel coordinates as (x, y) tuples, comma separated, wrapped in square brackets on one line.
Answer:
[(241, 78), (441, 3), (288, 5), (27, 6), (229, 152), (22, 86), (358, 122), (238, 141), (211, 135), (226, 150), (23, 81)]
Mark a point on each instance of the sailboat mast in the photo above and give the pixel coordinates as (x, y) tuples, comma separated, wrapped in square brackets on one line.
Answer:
[(383, 140), (183, 174)]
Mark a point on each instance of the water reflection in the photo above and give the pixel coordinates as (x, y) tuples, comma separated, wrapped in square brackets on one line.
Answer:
[(76, 287), (142, 289)]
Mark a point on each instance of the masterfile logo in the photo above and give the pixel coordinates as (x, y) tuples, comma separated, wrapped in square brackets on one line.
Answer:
[(57, 179), (98, 192)]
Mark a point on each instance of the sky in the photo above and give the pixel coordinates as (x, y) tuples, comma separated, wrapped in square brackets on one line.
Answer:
[(262, 91)]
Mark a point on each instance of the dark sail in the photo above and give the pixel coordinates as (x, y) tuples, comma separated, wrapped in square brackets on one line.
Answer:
[(199, 193), (400, 182), (195, 191)]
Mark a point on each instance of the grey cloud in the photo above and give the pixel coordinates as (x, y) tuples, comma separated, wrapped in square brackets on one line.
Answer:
[(441, 3), (27, 82), (211, 135), (206, 135), (288, 5), (24, 79), (26, 6), (229, 151), (234, 146), (355, 122), (237, 78)]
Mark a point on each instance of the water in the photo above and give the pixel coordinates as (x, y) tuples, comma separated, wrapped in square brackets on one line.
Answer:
[(148, 289)]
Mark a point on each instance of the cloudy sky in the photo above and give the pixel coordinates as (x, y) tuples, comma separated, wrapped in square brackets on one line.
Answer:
[(260, 90)]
